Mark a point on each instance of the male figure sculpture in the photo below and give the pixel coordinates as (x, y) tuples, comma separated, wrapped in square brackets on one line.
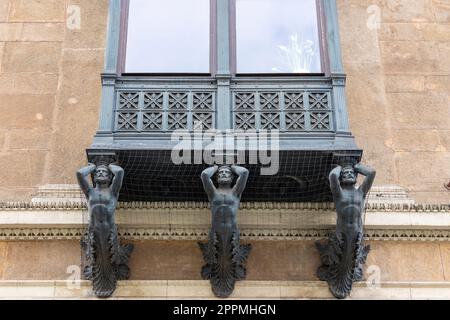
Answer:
[(106, 258), (344, 255), (224, 256)]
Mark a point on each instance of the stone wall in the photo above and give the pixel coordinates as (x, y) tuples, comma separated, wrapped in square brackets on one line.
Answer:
[(397, 261), (396, 55), (398, 90), (49, 90)]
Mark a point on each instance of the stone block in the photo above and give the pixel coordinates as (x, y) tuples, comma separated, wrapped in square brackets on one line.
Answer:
[(10, 31), (4, 6), (437, 32), (430, 293), (18, 173), (2, 139), (257, 290), (37, 10), (168, 260), (2, 47), (177, 289), (423, 171), (43, 32), (3, 250), (26, 290), (363, 292), (13, 193), (305, 290), (403, 31), (29, 139), (404, 83), (416, 140), (406, 261), (444, 140), (438, 83), (406, 11), (410, 57), (444, 54), (283, 261), (28, 83), (31, 57), (26, 111), (155, 289), (414, 31), (28, 260), (37, 164), (431, 197), (445, 254), (430, 110)]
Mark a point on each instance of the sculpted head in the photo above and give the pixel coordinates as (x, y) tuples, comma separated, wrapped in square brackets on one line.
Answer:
[(348, 175), (102, 175), (224, 176)]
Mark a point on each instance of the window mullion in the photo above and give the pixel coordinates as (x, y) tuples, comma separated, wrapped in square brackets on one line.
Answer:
[(223, 73)]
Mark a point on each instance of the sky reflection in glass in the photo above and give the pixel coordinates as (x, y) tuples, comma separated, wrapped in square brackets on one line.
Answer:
[(168, 36), (277, 36)]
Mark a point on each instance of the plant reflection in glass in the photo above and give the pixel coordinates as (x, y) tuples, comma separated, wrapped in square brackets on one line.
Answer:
[(297, 56)]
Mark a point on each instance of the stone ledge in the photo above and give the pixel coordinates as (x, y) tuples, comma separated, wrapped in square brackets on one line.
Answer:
[(59, 212), (167, 205), (46, 226), (189, 224), (168, 289), (195, 234)]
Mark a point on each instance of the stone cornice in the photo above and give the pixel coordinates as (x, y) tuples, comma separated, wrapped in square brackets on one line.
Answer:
[(196, 234), (60, 212), (371, 207), (199, 289), (285, 234)]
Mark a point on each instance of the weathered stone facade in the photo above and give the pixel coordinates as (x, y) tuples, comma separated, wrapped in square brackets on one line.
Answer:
[(396, 55), (49, 90), (398, 90)]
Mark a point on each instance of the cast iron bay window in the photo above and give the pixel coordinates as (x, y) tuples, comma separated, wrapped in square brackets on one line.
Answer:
[(228, 65)]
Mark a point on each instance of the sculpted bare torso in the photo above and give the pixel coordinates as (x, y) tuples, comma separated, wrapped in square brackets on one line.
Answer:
[(344, 254), (106, 258), (224, 255), (223, 208)]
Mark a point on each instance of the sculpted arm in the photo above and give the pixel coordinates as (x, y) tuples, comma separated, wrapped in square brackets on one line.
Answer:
[(118, 173), (81, 177), (369, 173), (206, 176), (241, 182), (334, 180)]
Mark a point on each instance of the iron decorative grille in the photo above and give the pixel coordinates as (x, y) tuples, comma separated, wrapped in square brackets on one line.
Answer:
[(159, 111), (282, 110)]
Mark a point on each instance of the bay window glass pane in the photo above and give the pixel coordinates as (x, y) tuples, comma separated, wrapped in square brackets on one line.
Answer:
[(168, 36), (277, 36)]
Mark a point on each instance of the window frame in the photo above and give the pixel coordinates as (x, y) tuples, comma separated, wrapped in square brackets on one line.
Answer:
[(324, 63), (213, 57), (121, 62)]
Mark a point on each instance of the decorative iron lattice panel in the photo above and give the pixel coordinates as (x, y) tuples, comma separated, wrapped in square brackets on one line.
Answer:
[(288, 110), (159, 111)]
